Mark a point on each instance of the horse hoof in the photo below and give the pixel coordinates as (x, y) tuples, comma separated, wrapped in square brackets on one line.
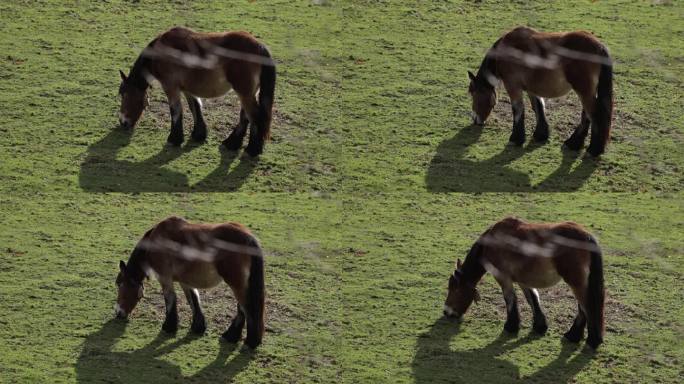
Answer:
[(517, 141), (572, 145), (254, 152), (174, 142), (232, 145), (198, 328), (511, 328), (540, 138), (594, 152), (594, 343), (540, 329), (252, 343), (231, 336), (170, 328), (199, 138), (573, 337)]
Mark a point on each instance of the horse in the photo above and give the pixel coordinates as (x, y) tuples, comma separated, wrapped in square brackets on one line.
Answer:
[(204, 65), (548, 65), (197, 256), (534, 255)]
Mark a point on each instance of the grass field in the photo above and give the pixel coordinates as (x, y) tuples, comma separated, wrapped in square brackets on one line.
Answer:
[(372, 186)]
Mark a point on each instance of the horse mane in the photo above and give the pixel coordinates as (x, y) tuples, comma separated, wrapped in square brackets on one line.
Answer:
[(488, 65), (135, 265), (138, 74), (472, 267)]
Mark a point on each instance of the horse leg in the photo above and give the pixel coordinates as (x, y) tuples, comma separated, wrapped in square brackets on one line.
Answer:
[(234, 140), (518, 134), (577, 138), (176, 135), (539, 324), (233, 333), (577, 330), (199, 130), (541, 131), (256, 142), (171, 323), (512, 315), (199, 324)]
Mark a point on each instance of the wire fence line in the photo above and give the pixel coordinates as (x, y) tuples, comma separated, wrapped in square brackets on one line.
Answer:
[(209, 59), (551, 60), (549, 245), (208, 250)]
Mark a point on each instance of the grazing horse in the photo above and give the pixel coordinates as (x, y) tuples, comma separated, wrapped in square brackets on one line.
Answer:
[(534, 256), (204, 65), (548, 65), (198, 256)]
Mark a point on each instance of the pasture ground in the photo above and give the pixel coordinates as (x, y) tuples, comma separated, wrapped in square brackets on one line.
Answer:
[(374, 183)]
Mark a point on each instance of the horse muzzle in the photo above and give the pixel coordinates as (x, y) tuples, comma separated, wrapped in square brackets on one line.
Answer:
[(119, 312), (476, 119), (451, 314)]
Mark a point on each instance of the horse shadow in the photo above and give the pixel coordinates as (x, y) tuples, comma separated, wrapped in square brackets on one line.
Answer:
[(451, 171), (435, 362), (98, 363), (101, 171)]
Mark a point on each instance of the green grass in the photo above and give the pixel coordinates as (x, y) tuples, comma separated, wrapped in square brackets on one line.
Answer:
[(374, 183)]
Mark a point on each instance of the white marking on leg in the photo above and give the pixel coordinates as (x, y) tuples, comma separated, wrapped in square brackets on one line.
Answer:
[(448, 310), (535, 294), (195, 292)]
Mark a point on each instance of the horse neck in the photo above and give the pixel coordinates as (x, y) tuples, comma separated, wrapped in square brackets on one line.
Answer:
[(488, 68), (472, 267), (138, 74), (488, 65), (135, 263)]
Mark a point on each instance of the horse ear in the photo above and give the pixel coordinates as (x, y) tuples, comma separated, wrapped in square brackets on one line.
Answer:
[(123, 75), (458, 264), (471, 76), (122, 266)]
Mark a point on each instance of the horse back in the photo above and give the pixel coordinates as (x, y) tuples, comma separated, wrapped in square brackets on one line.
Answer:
[(535, 254), (555, 61), (222, 253)]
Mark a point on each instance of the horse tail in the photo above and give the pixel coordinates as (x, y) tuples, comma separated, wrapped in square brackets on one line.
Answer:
[(603, 115), (255, 298), (266, 93), (595, 297)]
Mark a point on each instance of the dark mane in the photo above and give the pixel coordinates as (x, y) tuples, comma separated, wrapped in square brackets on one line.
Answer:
[(134, 267), (488, 65), (136, 77), (472, 268)]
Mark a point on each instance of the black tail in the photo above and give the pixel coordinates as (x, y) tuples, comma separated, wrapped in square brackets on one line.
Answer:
[(595, 298), (603, 113), (266, 94), (255, 301)]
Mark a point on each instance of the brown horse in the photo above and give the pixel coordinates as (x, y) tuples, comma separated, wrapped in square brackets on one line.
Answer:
[(198, 256), (534, 256), (548, 65), (204, 65)]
